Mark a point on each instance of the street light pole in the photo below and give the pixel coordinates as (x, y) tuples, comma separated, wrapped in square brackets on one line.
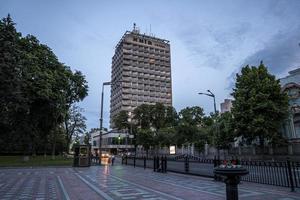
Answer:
[(213, 96), (210, 94), (101, 121)]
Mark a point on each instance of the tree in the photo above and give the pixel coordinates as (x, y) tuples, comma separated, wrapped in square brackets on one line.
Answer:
[(87, 138), (142, 116), (145, 137), (259, 106), (226, 133), (75, 125), (36, 91), (189, 125), (191, 115), (121, 120)]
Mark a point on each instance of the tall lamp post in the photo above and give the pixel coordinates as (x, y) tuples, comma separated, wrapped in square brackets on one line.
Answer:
[(210, 94), (101, 120)]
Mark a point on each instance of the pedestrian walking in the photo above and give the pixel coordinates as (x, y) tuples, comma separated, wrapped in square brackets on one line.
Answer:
[(112, 159)]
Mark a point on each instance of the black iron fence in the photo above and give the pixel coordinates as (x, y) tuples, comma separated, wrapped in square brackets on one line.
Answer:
[(286, 174)]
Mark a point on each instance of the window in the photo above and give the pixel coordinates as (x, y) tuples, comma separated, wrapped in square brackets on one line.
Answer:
[(149, 42), (134, 39)]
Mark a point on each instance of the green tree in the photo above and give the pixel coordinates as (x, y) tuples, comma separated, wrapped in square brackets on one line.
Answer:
[(87, 138), (75, 125), (259, 106), (189, 125), (142, 116), (121, 120), (226, 134), (145, 137), (36, 91), (155, 124)]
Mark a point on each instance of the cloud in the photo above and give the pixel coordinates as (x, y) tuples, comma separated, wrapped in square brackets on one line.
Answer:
[(280, 53), (213, 47)]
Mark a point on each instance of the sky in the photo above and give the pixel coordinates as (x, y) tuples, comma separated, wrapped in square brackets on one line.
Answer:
[(210, 40)]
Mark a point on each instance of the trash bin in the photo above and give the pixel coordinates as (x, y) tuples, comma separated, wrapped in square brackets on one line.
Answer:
[(82, 156)]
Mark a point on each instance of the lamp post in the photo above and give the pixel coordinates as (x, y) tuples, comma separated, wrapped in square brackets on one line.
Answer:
[(210, 94), (130, 131), (101, 120)]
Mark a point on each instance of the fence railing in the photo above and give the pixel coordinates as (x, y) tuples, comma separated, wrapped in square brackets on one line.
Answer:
[(285, 174)]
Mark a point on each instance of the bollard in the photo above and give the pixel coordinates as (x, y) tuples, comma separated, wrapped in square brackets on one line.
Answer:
[(215, 161), (144, 162), (162, 164), (166, 164), (157, 163), (126, 160), (134, 161), (154, 163), (290, 175), (186, 164)]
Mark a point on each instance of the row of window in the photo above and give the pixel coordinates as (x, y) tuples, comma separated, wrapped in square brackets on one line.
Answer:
[(150, 68), (137, 51), (133, 46), (142, 41), (140, 56)]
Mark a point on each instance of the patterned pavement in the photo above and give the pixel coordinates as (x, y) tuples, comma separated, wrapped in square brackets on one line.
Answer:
[(124, 183)]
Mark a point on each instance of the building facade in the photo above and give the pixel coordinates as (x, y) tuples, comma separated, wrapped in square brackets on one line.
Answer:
[(141, 72), (113, 142), (291, 85), (226, 105)]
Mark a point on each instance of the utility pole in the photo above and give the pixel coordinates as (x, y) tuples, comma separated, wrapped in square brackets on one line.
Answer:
[(210, 94), (101, 121)]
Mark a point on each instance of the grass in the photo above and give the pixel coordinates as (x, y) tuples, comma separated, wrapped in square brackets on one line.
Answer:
[(36, 161)]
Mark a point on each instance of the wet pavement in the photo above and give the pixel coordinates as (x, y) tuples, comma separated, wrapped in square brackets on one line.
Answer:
[(122, 182)]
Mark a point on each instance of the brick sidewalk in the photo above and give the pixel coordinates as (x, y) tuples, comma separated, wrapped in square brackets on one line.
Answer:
[(122, 182)]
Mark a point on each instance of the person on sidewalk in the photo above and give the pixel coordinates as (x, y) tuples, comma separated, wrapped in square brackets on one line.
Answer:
[(112, 159)]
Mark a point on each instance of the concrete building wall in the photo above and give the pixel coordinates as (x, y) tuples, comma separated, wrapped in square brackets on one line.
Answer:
[(141, 73), (226, 105)]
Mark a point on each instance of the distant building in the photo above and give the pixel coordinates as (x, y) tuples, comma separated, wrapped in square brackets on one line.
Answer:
[(226, 106), (112, 141), (291, 85), (141, 72)]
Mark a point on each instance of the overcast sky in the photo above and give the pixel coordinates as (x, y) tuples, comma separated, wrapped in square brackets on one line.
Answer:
[(210, 40)]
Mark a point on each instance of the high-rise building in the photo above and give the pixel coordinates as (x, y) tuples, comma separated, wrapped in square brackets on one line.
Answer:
[(141, 72), (226, 105)]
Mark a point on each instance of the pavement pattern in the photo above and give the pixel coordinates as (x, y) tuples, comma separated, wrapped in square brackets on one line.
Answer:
[(124, 183)]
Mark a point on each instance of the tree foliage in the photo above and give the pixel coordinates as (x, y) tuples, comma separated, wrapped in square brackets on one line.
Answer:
[(75, 126), (259, 106), (225, 130), (36, 91), (121, 120)]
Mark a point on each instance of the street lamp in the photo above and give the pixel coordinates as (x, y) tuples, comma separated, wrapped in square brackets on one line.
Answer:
[(101, 120), (210, 94), (101, 116)]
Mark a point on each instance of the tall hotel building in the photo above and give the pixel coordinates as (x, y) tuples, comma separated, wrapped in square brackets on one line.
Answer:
[(141, 72)]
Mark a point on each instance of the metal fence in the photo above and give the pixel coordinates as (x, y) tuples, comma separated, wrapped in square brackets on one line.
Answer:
[(285, 174)]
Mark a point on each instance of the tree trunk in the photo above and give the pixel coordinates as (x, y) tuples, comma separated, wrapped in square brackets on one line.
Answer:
[(68, 146)]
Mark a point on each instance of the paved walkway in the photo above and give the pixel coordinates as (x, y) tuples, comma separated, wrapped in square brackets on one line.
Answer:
[(122, 182)]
